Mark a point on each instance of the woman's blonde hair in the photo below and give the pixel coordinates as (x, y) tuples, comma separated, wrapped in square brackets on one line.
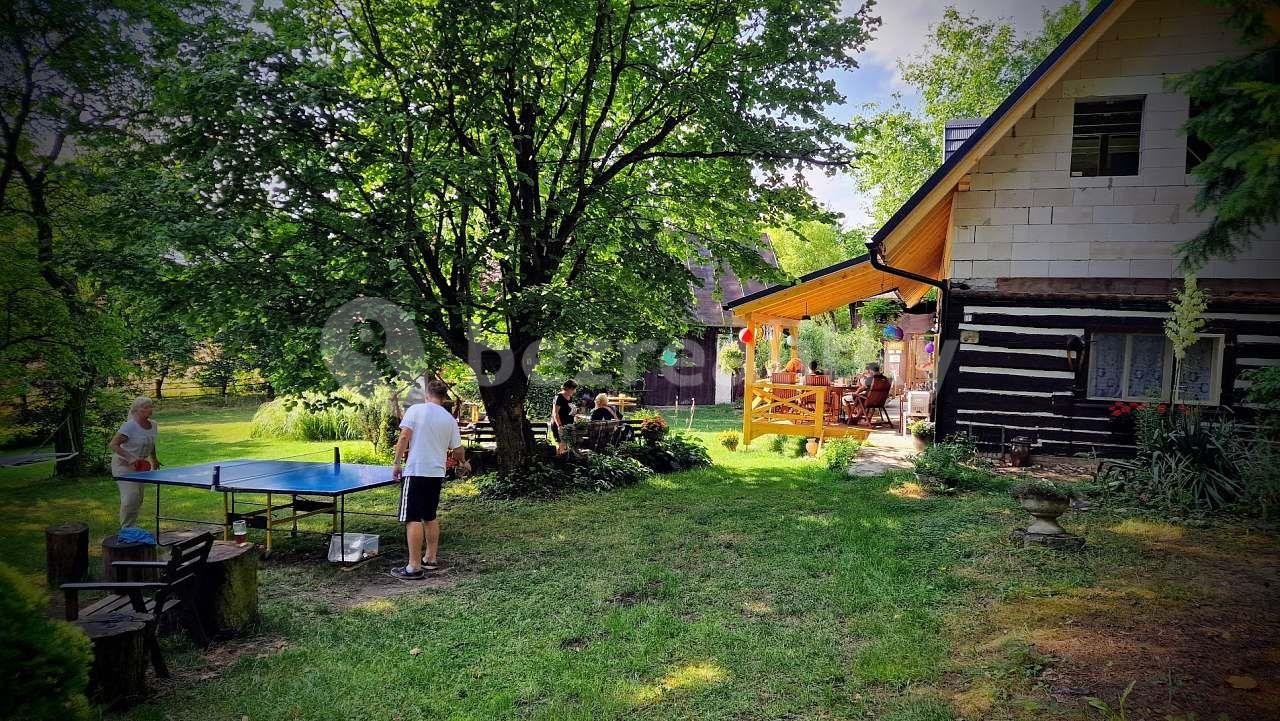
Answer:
[(138, 403), (602, 399)]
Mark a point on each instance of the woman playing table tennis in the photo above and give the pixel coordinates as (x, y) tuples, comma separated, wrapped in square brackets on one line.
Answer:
[(133, 448)]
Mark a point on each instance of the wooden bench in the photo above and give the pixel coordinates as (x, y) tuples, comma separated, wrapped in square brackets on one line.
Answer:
[(480, 433), (179, 578)]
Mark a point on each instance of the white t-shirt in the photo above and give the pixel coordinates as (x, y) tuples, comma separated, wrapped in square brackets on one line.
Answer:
[(435, 432), (139, 442)]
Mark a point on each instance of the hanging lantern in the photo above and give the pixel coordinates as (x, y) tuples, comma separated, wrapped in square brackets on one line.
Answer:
[(892, 332), (668, 357), (928, 347), (746, 335), (791, 341)]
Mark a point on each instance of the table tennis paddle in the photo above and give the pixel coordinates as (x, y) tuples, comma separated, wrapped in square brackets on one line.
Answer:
[(142, 464)]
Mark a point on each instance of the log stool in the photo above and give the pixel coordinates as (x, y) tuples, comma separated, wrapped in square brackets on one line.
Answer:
[(113, 549), (66, 553), (118, 675), (226, 594)]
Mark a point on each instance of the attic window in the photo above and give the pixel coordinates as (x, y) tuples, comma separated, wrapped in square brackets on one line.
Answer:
[(1105, 137)]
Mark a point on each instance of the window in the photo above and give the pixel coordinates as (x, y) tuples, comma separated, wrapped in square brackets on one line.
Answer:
[(1197, 149), (1105, 137), (1140, 367)]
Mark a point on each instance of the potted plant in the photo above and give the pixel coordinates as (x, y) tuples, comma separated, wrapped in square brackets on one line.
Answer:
[(811, 447), (653, 428), (1046, 501), (921, 433)]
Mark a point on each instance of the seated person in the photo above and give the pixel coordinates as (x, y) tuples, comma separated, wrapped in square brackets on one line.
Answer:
[(602, 411), (814, 370)]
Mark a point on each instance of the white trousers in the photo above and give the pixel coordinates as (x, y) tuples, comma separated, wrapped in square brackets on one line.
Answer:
[(130, 502)]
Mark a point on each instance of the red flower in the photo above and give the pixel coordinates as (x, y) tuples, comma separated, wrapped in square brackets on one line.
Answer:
[(1184, 410), (1163, 408)]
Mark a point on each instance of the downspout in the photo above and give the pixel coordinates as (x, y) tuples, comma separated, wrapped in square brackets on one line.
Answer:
[(873, 253)]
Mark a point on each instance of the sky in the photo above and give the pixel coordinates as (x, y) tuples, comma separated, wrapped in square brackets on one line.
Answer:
[(903, 29)]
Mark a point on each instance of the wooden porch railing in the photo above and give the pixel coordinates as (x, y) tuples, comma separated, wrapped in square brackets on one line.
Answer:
[(785, 408)]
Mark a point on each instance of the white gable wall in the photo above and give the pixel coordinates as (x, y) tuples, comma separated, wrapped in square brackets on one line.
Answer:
[(1025, 216)]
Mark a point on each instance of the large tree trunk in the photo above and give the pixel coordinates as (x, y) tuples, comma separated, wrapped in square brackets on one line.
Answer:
[(70, 436), (505, 405)]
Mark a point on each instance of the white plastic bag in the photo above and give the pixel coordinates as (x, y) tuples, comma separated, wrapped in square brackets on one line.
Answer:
[(352, 547)]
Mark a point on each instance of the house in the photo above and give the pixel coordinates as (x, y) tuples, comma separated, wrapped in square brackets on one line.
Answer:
[(696, 375), (1049, 232)]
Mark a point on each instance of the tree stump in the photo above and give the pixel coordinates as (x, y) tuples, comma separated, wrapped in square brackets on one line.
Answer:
[(66, 553), (113, 549), (227, 592), (118, 675)]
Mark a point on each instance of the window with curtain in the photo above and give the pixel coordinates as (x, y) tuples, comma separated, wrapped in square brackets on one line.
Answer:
[(1140, 367)]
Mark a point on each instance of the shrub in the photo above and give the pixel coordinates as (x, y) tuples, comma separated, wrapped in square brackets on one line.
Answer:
[(778, 443), (676, 452), (44, 664), (730, 439), (1043, 488), (796, 446), (1187, 462), (310, 418), (840, 452), (652, 424), (548, 478), (921, 429)]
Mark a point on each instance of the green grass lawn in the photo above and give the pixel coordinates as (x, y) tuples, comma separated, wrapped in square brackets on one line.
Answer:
[(763, 588)]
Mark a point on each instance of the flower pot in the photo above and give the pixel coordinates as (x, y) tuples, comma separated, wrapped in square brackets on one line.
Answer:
[(811, 447), (1046, 512), (920, 442)]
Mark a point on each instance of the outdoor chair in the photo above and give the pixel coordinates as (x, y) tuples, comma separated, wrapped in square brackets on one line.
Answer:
[(171, 593), (871, 407)]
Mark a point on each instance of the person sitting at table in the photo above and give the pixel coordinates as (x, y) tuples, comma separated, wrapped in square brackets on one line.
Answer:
[(602, 410), (814, 370)]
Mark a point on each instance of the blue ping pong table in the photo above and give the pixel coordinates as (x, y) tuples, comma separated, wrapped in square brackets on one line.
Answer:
[(293, 490)]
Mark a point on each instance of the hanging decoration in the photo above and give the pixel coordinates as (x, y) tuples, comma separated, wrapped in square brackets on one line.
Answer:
[(669, 357), (928, 347), (791, 341), (892, 332), (746, 335)]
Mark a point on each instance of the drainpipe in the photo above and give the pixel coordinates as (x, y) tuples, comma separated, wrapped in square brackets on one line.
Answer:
[(873, 252)]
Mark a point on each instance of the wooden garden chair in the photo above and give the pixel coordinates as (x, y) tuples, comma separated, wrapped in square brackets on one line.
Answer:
[(171, 593), (872, 405)]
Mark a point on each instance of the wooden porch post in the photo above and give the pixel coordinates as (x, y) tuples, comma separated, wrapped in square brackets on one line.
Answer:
[(775, 347), (748, 382)]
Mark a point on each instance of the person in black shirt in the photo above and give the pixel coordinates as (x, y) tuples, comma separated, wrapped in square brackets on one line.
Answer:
[(602, 411), (814, 370), (562, 413)]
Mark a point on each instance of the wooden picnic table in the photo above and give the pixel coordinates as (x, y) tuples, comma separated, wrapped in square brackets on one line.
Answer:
[(624, 402)]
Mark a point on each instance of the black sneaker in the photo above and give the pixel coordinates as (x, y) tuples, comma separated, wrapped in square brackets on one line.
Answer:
[(405, 574)]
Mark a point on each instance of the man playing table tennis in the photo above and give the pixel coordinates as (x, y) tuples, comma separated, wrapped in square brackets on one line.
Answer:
[(428, 436)]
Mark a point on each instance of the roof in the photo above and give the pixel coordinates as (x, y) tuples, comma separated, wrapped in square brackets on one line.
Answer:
[(707, 309), (916, 238)]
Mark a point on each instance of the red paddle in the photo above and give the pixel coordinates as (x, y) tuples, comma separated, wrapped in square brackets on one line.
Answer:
[(142, 464)]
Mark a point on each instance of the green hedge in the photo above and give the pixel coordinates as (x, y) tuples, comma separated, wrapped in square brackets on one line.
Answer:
[(44, 664)]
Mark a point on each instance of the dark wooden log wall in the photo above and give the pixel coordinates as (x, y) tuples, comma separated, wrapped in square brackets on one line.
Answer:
[(694, 376), (1015, 380)]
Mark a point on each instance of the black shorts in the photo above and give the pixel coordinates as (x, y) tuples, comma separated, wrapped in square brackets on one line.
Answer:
[(419, 498)]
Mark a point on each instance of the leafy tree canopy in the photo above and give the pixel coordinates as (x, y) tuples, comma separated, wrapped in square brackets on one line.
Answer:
[(1239, 117), (970, 67), (506, 172)]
